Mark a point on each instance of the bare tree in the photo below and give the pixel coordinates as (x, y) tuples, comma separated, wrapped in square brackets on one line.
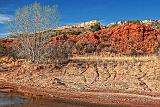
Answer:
[(30, 25)]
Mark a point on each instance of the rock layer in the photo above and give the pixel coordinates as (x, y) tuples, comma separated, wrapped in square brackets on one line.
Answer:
[(125, 39)]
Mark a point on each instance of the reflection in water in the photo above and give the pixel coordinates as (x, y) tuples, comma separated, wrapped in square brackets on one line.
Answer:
[(10, 100), (18, 101)]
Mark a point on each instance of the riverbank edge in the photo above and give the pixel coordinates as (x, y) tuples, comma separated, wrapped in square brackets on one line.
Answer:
[(102, 97)]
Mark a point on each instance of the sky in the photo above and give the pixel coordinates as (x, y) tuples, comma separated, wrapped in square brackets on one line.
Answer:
[(77, 11)]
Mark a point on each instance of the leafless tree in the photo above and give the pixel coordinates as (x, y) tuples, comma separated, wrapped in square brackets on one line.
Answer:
[(30, 25)]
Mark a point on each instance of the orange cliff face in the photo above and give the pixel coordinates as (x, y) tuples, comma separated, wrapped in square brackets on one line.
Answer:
[(9, 42), (136, 36), (122, 39)]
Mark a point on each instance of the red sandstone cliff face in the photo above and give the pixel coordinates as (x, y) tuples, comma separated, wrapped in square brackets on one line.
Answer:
[(9, 42), (125, 39), (134, 36)]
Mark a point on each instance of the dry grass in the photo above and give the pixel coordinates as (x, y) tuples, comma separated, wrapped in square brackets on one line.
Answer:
[(115, 58)]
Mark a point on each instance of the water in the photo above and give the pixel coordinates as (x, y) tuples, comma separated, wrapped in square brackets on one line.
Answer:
[(6, 99), (19, 101)]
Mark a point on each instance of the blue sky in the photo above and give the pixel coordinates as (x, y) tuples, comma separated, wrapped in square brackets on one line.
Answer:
[(76, 11)]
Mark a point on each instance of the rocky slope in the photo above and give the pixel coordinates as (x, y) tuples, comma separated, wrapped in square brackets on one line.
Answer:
[(125, 39)]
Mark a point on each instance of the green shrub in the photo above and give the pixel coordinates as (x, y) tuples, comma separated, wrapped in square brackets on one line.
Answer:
[(70, 32), (113, 25), (12, 36), (134, 21), (76, 32), (158, 27), (133, 52), (2, 50), (95, 27), (56, 33)]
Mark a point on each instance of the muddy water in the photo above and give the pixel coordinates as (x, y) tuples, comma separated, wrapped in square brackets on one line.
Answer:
[(19, 101)]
